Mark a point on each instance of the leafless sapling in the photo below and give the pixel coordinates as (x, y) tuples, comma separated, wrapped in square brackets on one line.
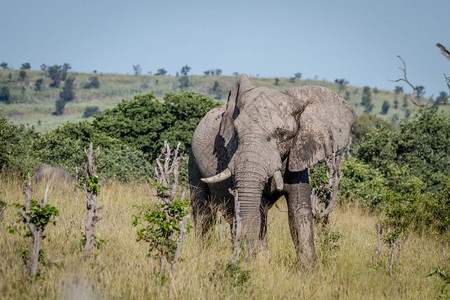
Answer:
[(167, 181), (92, 189), (37, 216)]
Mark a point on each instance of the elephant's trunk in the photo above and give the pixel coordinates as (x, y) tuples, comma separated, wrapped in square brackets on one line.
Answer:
[(250, 176)]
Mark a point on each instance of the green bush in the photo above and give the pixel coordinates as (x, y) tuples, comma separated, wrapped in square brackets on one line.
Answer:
[(16, 146), (363, 184), (145, 122), (130, 136), (404, 173), (93, 83), (90, 111), (421, 145), (5, 95), (65, 145), (125, 163), (365, 124)]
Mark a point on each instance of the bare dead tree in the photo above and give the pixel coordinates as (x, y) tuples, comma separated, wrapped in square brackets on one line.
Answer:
[(330, 188), (405, 79), (92, 189), (444, 51), (180, 241), (36, 232), (377, 250), (166, 173), (166, 176), (394, 246)]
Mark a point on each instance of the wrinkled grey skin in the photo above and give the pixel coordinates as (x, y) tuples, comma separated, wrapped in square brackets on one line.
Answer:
[(261, 131), (46, 173)]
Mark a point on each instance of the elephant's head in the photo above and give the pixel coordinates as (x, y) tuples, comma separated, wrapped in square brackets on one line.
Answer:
[(264, 129)]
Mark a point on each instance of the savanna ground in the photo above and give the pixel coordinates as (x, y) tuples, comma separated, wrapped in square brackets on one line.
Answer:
[(122, 270)]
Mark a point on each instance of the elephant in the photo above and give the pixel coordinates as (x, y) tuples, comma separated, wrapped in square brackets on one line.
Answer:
[(54, 174), (261, 144)]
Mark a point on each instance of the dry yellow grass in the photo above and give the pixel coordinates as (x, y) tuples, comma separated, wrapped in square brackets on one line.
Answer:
[(122, 270)]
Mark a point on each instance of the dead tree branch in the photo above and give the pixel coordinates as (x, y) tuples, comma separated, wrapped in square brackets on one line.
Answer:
[(36, 232), (444, 51), (377, 250), (91, 188), (166, 173), (166, 177), (405, 79), (183, 232)]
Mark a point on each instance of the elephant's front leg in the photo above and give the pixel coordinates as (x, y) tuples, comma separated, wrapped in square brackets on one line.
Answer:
[(300, 215)]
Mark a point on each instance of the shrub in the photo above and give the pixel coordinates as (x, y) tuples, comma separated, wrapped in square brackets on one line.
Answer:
[(366, 123), (421, 144), (93, 83), (90, 111), (38, 84), (16, 146), (385, 107), (145, 122), (363, 184), (5, 95)]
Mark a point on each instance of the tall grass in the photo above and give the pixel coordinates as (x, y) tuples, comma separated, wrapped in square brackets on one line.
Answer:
[(122, 270)]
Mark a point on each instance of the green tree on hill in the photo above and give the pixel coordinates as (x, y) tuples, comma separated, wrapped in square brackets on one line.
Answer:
[(184, 80), (342, 83), (25, 66), (420, 91), (161, 72), (398, 89), (385, 107), (57, 73), (22, 75), (93, 83), (38, 84), (441, 99), (5, 95), (66, 95), (366, 100)]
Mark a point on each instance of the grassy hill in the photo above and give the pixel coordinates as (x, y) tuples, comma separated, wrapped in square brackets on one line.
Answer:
[(34, 108)]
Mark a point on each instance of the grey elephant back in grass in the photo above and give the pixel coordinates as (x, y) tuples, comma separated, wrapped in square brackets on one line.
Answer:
[(262, 144), (57, 175)]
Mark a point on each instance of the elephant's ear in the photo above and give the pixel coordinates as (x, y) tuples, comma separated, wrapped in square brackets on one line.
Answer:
[(227, 130), (324, 126)]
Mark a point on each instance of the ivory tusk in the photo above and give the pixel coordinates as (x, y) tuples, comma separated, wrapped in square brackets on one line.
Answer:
[(278, 180), (225, 174)]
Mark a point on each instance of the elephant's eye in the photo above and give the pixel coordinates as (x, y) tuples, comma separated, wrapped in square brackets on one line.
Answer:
[(281, 134)]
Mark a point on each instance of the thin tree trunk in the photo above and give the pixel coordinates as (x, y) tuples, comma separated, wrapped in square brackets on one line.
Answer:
[(377, 250), (36, 233), (91, 197)]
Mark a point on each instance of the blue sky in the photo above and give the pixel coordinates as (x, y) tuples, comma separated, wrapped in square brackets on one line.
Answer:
[(358, 40)]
